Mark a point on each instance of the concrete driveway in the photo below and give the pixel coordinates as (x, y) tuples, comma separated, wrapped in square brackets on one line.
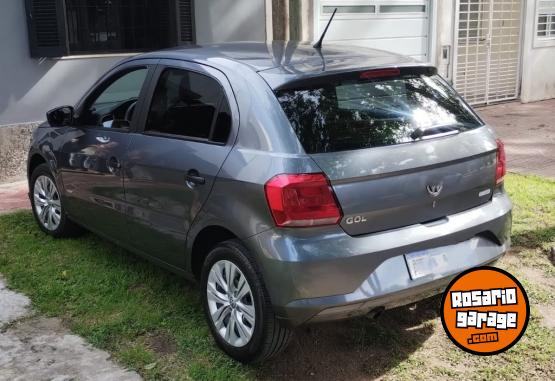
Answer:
[(13, 196), (39, 348), (528, 131)]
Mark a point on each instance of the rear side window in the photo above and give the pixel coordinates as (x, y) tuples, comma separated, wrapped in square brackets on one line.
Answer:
[(189, 104), (355, 114)]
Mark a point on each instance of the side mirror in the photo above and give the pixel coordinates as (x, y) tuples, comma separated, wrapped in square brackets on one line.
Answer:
[(60, 116)]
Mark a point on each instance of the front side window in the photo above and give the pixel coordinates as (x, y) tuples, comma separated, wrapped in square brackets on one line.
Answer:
[(349, 114), (114, 106), (191, 105)]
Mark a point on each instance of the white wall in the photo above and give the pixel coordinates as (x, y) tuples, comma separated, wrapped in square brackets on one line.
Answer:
[(538, 63), (230, 20), (29, 87), (444, 37)]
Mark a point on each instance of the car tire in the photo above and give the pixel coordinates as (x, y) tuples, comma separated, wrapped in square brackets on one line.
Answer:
[(47, 205), (268, 335)]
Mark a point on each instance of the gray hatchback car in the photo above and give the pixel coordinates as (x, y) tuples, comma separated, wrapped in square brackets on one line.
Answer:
[(297, 185)]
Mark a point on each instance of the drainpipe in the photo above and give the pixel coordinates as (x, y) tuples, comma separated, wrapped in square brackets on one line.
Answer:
[(280, 19), (292, 20)]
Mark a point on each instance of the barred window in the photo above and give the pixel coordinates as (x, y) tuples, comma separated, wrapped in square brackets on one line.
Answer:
[(68, 27), (546, 19)]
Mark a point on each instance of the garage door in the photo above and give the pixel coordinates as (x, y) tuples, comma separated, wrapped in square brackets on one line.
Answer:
[(394, 25)]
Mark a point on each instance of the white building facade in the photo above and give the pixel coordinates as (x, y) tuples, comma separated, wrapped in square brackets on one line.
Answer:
[(491, 50)]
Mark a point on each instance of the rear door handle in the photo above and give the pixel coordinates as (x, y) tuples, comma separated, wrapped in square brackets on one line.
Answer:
[(113, 164), (193, 178)]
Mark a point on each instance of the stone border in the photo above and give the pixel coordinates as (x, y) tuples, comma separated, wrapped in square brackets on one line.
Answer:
[(14, 145)]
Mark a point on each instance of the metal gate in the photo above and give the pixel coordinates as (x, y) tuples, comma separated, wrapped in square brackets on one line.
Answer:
[(487, 50)]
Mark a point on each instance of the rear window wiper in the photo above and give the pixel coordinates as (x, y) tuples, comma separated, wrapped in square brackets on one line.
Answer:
[(436, 131)]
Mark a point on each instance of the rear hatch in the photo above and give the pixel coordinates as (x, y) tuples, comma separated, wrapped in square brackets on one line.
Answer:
[(399, 146)]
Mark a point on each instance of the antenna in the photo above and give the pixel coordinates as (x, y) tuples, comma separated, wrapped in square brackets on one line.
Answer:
[(318, 45)]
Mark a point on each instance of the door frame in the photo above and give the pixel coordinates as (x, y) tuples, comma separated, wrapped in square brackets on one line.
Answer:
[(432, 26), (149, 63), (198, 68)]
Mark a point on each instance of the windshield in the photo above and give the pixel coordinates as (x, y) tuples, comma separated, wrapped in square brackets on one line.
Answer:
[(354, 114)]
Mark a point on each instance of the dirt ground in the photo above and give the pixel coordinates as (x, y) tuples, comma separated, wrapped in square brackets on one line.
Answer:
[(404, 343), (358, 349)]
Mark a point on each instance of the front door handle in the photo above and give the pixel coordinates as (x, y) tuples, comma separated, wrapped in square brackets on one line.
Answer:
[(193, 178)]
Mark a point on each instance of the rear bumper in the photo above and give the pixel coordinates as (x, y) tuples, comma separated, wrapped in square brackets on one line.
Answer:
[(331, 275), (390, 285)]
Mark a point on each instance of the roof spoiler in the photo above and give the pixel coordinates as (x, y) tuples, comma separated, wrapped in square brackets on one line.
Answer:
[(362, 74)]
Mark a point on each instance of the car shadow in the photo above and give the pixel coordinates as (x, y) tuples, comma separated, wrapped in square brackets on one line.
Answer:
[(533, 238), (361, 348)]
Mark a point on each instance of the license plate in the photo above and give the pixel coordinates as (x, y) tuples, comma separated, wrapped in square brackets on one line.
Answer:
[(425, 262)]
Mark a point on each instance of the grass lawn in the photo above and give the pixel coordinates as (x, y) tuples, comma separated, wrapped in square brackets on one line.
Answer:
[(151, 320)]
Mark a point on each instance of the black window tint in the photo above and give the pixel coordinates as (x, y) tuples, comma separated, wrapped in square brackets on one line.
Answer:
[(185, 104), (223, 123), (115, 105), (348, 115)]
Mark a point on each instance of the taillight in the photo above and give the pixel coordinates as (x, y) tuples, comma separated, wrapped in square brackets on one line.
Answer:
[(501, 166), (302, 200)]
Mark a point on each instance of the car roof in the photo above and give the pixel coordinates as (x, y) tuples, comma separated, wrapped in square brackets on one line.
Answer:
[(282, 61)]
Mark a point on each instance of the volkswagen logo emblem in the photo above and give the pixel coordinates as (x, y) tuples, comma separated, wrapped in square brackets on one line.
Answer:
[(434, 189)]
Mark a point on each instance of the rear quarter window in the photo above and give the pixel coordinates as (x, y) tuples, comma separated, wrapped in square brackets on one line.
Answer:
[(356, 114)]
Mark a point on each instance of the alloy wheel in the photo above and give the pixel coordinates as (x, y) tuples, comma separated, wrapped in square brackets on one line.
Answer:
[(231, 303), (47, 202)]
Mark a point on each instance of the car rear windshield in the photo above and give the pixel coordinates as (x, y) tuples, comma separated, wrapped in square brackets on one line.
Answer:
[(349, 114)]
